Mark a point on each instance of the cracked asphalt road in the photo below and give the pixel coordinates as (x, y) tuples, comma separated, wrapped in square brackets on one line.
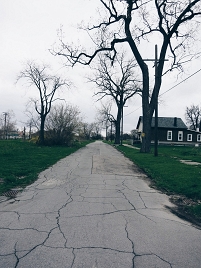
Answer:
[(94, 209)]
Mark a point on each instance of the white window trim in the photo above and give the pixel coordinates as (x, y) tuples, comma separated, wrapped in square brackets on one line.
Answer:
[(198, 137), (169, 133), (189, 137), (180, 133)]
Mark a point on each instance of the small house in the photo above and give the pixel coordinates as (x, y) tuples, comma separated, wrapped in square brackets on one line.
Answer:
[(171, 130)]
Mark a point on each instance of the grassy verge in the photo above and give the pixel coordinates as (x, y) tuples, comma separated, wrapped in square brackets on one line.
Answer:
[(170, 175), (21, 162)]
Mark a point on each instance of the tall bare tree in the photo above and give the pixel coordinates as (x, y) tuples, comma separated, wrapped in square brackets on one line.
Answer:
[(193, 116), (105, 117), (135, 22), (47, 86), (117, 81)]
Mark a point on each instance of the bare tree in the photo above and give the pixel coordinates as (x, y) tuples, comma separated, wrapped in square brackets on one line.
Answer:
[(117, 81), (96, 132), (102, 119), (62, 123), (47, 86), (193, 116), (33, 121), (106, 117), (134, 22), (86, 130)]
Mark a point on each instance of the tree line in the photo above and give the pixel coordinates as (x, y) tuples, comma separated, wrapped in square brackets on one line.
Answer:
[(120, 69), (63, 125), (55, 123)]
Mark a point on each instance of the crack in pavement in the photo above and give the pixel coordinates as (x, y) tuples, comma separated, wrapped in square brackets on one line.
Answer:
[(132, 243), (15, 253), (92, 247), (153, 254), (32, 249), (100, 214), (58, 218), (74, 256), (48, 233), (136, 210), (141, 199)]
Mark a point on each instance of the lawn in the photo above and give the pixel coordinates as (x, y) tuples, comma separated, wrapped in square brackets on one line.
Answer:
[(22, 161), (169, 174)]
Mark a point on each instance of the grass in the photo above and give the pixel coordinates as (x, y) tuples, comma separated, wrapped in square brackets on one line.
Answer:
[(21, 162), (169, 174)]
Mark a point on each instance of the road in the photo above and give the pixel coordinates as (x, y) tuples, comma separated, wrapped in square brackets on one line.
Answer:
[(94, 209)]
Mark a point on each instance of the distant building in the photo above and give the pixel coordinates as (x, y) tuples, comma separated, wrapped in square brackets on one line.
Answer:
[(8, 135), (171, 130)]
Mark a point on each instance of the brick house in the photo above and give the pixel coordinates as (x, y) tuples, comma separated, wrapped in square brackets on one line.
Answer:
[(172, 130)]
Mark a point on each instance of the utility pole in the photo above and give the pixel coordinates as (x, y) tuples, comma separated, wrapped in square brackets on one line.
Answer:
[(106, 127), (156, 107), (30, 126), (111, 132), (122, 124)]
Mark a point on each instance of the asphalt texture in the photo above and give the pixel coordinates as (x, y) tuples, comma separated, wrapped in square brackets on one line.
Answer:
[(94, 209)]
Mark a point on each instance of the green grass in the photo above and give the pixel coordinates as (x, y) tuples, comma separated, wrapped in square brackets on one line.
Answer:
[(21, 162), (169, 174)]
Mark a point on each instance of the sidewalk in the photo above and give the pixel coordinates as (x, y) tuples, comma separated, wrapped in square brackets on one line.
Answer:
[(131, 146), (94, 209)]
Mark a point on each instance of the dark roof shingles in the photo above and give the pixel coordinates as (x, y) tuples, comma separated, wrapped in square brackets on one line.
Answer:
[(169, 122)]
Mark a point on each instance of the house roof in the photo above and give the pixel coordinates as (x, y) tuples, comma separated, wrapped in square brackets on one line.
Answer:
[(166, 122)]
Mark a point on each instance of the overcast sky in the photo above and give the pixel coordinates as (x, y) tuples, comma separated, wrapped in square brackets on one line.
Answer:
[(28, 29)]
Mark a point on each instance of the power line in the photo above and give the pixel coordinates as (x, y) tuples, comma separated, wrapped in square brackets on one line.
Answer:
[(134, 111), (168, 89), (180, 82)]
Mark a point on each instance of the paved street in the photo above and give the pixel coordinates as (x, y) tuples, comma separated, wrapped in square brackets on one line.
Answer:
[(94, 209)]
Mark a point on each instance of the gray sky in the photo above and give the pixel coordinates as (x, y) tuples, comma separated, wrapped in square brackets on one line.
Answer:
[(28, 29)]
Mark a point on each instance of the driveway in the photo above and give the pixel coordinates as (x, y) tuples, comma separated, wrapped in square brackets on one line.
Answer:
[(94, 209)]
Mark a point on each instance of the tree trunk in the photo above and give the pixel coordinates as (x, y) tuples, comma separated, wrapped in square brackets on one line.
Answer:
[(146, 135), (148, 106), (42, 132), (118, 123), (147, 114)]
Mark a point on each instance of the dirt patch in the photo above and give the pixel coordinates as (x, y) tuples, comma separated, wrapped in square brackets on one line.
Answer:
[(181, 204)]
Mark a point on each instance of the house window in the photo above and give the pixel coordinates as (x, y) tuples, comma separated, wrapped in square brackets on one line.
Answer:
[(169, 135), (189, 137), (198, 137), (180, 135)]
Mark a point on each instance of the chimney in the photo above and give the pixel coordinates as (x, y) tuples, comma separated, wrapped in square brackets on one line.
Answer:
[(175, 122)]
